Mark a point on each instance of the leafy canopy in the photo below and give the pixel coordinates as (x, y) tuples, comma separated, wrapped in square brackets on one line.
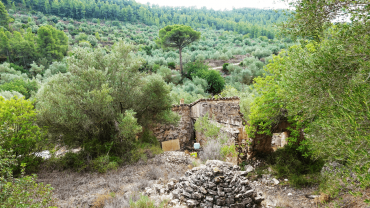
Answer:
[(177, 36), (103, 101), (19, 132)]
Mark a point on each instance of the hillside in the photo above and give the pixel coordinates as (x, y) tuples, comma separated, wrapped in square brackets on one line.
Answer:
[(97, 90), (255, 22)]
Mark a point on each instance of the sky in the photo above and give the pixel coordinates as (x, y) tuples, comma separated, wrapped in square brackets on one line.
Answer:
[(220, 4)]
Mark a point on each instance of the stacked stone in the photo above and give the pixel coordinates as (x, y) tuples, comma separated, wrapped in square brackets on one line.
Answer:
[(217, 184)]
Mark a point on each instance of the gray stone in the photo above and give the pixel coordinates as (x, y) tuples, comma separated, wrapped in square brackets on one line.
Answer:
[(209, 198), (188, 189), (228, 190), (249, 193), (186, 194), (243, 173), (197, 195), (203, 190), (232, 190), (192, 203), (176, 194), (248, 168), (211, 185), (220, 201)]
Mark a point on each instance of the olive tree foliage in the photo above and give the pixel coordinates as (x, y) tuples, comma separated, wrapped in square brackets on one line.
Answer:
[(322, 85), (177, 36), (89, 104), (8, 73), (7, 95)]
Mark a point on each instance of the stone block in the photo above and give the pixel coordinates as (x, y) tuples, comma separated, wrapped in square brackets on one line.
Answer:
[(171, 145)]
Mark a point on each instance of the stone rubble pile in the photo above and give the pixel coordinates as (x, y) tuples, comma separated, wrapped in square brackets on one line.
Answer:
[(217, 184)]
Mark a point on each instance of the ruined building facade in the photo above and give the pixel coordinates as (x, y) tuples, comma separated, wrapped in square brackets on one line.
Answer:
[(225, 112)]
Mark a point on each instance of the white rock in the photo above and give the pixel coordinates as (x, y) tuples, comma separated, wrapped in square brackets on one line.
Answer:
[(275, 181), (248, 168), (285, 179), (290, 194)]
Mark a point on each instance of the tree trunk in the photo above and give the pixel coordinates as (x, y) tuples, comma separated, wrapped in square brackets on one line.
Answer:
[(182, 73)]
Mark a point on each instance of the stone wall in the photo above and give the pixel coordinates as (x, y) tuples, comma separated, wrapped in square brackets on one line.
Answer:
[(215, 184), (184, 131), (224, 111)]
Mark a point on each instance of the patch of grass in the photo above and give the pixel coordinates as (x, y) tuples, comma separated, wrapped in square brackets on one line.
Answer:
[(144, 151), (195, 163), (102, 164), (145, 202), (79, 162), (101, 200)]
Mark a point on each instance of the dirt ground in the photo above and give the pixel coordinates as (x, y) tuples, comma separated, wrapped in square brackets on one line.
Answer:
[(218, 63), (114, 189)]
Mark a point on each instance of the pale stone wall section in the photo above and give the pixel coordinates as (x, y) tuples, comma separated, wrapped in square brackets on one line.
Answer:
[(183, 131)]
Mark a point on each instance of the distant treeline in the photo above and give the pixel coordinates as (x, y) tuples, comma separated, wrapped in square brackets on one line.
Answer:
[(255, 22)]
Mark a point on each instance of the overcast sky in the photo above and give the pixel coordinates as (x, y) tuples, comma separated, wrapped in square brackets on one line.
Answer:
[(220, 4)]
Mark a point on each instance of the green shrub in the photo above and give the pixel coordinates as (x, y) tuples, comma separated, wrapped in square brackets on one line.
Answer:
[(23, 191), (155, 67), (19, 132), (224, 66), (70, 161), (216, 83), (144, 151), (227, 150), (143, 202), (171, 65), (290, 163), (206, 127), (102, 164), (19, 68), (108, 107), (192, 68), (26, 88)]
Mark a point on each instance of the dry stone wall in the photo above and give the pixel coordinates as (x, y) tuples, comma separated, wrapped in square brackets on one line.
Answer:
[(224, 111), (215, 184), (183, 131)]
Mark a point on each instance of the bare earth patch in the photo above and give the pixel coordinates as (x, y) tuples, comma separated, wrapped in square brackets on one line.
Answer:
[(114, 188)]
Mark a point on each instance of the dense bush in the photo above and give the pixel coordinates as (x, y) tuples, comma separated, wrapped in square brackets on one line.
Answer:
[(25, 87), (98, 116), (224, 66), (8, 73), (290, 163), (18, 131), (171, 65), (23, 191), (215, 81)]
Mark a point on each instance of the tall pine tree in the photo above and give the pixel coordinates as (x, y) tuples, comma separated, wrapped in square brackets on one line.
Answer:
[(4, 18)]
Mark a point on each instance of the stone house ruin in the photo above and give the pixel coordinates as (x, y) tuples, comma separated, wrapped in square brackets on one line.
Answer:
[(225, 112)]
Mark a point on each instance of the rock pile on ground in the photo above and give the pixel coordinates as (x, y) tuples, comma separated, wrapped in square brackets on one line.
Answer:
[(217, 184)]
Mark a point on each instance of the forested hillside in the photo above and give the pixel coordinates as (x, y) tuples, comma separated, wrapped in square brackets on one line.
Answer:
[(98, 75), (255, 22), (37, 44)]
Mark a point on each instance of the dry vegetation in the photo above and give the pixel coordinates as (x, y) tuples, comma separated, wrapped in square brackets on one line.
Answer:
[(115, 188)]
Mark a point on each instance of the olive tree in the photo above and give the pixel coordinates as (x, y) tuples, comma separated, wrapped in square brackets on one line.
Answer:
[(88, 105)]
